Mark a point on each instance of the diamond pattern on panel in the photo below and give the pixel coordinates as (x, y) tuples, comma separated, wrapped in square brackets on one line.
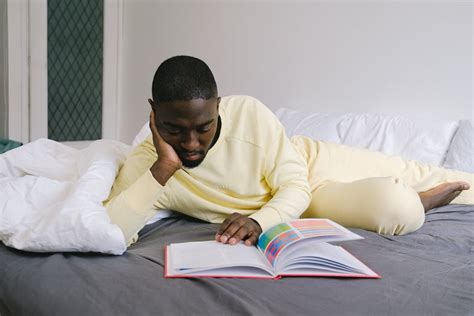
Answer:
[(75, 37)]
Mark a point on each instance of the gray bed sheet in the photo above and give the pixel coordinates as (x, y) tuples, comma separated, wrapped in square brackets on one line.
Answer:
[(429, 272)]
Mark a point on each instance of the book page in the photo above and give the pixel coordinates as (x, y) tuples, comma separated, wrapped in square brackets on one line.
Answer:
[(309, 257), (273, 241), (211, 257)]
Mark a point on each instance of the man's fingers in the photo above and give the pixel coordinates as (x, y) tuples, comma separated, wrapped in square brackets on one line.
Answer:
[(153, 128), (152, 124), (157, 139), (252, 239), (227, 222), (229, 227), (239, 235), (236, 228), (230, 231), (222, 229)]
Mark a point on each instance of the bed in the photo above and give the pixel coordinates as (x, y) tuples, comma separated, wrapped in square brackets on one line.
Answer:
[(428, 272)]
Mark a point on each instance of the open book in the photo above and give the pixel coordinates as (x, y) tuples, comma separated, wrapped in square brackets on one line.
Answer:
[(296, 248)]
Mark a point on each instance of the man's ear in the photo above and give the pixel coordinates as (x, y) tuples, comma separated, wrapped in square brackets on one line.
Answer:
[(218, 102), (152, 104)]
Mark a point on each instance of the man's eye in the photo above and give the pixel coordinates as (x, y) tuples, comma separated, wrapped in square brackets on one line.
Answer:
[(173, 131), (204, 129)]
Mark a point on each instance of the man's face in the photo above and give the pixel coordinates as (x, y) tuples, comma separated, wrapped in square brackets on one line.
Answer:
[(189, 127)]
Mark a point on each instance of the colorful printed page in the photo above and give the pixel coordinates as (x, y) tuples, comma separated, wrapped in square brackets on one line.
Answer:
[(273, 241)]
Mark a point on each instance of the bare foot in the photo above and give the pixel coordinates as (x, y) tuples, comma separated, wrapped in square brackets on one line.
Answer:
[(442, 194)]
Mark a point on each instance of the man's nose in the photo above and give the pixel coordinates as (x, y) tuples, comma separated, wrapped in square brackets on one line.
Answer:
[(190, 141)]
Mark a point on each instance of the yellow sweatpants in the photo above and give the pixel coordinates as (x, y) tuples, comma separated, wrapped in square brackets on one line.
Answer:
[(370, 190)]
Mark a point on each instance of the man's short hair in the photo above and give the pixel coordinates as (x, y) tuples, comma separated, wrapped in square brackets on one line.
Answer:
[(183, 78)]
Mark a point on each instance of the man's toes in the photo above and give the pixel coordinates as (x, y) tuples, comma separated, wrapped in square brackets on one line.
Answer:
[(459, 186), (450, 187)]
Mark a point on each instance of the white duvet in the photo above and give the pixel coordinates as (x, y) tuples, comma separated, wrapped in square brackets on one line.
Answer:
[(51, 197)]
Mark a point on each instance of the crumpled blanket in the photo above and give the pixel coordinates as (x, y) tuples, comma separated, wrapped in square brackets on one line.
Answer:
[(51, 197)]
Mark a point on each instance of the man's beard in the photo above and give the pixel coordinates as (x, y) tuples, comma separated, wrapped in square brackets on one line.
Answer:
[(192, 163)]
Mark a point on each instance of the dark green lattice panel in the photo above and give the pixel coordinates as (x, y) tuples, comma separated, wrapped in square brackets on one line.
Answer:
[(75, 37)]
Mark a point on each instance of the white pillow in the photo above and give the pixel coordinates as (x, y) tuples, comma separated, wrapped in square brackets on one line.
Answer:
[(424, 141), (314, 125), (461, 152)]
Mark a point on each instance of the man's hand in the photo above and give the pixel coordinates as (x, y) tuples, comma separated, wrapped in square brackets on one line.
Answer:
[(238, 227), (168, 161)]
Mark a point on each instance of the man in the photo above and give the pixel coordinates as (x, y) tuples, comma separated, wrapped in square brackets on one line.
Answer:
[(228, 160)]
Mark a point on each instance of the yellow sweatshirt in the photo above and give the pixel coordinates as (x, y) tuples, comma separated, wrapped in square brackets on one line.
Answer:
[(252, 169)]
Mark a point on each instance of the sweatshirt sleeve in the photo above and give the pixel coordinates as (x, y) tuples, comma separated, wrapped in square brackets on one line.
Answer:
[(286, 173), (131, 201)]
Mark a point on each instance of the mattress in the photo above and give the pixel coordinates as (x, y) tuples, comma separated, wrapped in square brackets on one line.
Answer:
[(428, 272)]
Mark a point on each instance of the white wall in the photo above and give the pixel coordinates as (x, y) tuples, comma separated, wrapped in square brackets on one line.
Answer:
[(3, 70), (412, 58)]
